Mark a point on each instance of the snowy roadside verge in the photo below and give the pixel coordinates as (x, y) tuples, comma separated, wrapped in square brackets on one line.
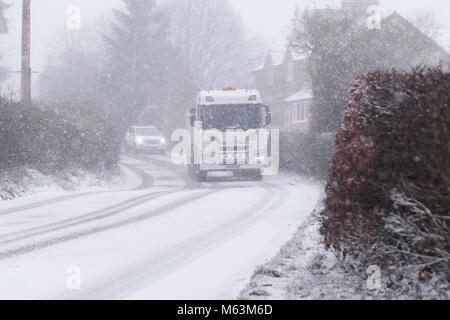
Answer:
[(304, 270), (27, 182)]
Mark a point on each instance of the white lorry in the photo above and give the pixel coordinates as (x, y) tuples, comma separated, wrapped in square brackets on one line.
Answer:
[(226, 125)]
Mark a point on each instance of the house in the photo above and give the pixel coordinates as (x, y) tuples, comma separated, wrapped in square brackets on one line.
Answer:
[(283, 79), (286, 86), (299, 107), (427, 51)]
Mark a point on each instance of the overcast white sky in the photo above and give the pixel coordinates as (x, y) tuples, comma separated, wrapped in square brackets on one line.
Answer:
[(267, 17), (272, 17)]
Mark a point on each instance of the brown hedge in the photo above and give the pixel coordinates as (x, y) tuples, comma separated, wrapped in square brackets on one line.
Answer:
[(388, 194)]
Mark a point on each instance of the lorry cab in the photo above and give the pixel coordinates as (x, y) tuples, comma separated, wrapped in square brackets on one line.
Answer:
[(222, 113)]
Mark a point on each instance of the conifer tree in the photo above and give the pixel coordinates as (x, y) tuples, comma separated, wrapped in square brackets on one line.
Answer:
[(138, 49)]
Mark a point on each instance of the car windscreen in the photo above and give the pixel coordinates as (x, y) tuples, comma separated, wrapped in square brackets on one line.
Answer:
[(221, 117), (147, 132)]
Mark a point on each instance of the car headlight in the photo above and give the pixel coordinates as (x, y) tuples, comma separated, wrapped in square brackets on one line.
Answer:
[(162, 140), (139, 140)]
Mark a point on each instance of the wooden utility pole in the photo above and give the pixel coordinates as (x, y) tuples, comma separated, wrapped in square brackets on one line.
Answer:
[(25, 83)]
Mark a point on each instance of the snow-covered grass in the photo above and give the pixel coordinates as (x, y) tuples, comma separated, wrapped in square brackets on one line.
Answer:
[(304, 270), (26, 181)]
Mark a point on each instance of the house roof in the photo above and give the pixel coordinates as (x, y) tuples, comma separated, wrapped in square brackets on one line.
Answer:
[(277, 58), (395, 17), (299, 56), (444, 40), (301, 95)]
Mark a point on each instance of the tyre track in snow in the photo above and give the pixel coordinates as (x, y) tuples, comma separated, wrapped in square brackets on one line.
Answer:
[(181, 171), (74, 235), (83, 219), (91, 224), (147, 182), (98, 214), (155, 267)]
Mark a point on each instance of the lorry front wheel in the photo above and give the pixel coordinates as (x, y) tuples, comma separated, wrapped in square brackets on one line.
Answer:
[(255, 175), (258, 177), (202, 176)]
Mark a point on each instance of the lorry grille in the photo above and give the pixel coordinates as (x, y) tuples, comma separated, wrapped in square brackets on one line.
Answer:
[(234, 155)]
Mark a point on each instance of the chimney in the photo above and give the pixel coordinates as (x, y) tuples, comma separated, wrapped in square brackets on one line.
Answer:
[(358, 7)]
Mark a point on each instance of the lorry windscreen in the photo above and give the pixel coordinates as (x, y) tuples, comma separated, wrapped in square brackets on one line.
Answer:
[(221, 117)]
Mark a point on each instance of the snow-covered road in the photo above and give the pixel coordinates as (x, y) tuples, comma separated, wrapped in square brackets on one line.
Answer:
[(163, 236)]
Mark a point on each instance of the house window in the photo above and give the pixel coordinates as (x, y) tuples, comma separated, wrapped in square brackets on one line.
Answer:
[(290, 71), (300, 112)]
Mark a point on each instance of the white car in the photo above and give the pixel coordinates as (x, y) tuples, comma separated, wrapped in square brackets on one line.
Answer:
[(147, 139)]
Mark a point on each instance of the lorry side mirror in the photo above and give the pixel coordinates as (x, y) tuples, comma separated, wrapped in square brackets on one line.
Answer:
[(192, 116), (268, 115)]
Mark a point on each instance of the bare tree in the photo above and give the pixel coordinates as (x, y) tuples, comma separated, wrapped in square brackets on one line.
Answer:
[(3, 29), (341, 51), (3, 21), (212, 41), (427, 23), (75, 68), (152, 59)]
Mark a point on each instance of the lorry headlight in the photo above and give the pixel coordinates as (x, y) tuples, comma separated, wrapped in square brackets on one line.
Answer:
[(260, 159), (162, 140)]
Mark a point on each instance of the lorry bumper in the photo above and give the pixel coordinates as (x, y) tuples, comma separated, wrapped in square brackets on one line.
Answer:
[(232, 167)]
